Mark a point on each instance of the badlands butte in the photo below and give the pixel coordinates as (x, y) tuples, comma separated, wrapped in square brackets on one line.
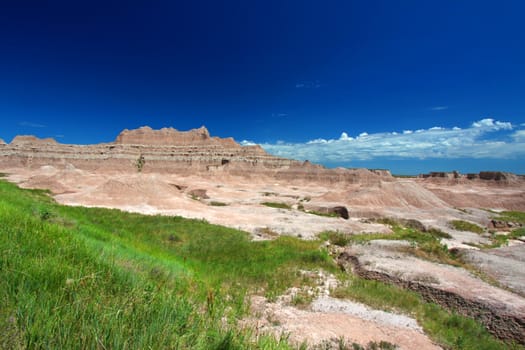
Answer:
[(191, 174)]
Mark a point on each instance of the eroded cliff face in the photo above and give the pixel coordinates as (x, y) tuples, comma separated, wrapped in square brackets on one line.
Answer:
[(168, 150)]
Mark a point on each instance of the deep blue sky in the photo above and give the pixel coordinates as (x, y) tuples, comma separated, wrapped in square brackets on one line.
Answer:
[(280, 73)]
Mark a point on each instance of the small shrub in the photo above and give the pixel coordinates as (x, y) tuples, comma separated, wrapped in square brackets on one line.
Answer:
[(462, 225), (318, 213), (437, 233), (388, 221), (140, 162), (218, 204), (336, 238), (277, 205)]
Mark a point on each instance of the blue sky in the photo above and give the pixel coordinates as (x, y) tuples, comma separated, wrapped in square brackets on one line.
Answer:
[(408, 85)]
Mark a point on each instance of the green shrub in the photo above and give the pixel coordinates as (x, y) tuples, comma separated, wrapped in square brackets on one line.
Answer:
[(277, 205), (336, 238), (462, 225)]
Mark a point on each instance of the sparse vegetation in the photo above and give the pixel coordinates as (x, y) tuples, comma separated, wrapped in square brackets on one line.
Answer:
[(140, 162), (499, 240), (512, 216), (318, 213), (218, 204), (426, 245), (450, 330), (277, 205), (462, 225), (336, 238), (343, 344)]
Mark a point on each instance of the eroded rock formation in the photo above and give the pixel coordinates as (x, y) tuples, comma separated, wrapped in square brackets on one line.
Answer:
[(497, 176), (168, 150)]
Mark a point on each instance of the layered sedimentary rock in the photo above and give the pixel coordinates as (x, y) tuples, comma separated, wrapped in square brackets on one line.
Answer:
[(171, 151), (497, 176), (32, 140)]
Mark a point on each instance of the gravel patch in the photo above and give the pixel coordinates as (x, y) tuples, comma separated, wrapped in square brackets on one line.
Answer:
[(328, 304)]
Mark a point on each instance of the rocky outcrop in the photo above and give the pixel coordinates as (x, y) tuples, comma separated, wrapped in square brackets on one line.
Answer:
[(168, 150), (504, 225), (2, 142), (498, 321), (172, 137), (496, 176), (381, 172), (198, 194), (441, 174), (30, 139)]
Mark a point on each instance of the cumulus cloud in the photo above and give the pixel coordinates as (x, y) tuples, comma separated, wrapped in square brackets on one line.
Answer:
[(474, 141), (491, 124)]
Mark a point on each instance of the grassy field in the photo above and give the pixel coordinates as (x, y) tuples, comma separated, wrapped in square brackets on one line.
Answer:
[(88, 278)]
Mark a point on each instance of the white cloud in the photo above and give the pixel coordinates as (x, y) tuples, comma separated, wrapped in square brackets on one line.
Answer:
[(247, 143), (316, 141), (436, 142), (344, 137), (519, 135), (489, 123), (439, 108)]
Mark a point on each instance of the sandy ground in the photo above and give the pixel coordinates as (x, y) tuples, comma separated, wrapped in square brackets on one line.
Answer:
[(504, 264), (329, 320)]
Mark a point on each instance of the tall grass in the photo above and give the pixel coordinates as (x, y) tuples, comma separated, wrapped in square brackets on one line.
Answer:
[(76, 278)]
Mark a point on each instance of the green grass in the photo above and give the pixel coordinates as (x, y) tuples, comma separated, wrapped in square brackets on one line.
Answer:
[(336, 238), (318, 213), (73, 277), (512, 216), (218, 204), (79, 278), (277, 205), (462, 225), (502, 239)]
